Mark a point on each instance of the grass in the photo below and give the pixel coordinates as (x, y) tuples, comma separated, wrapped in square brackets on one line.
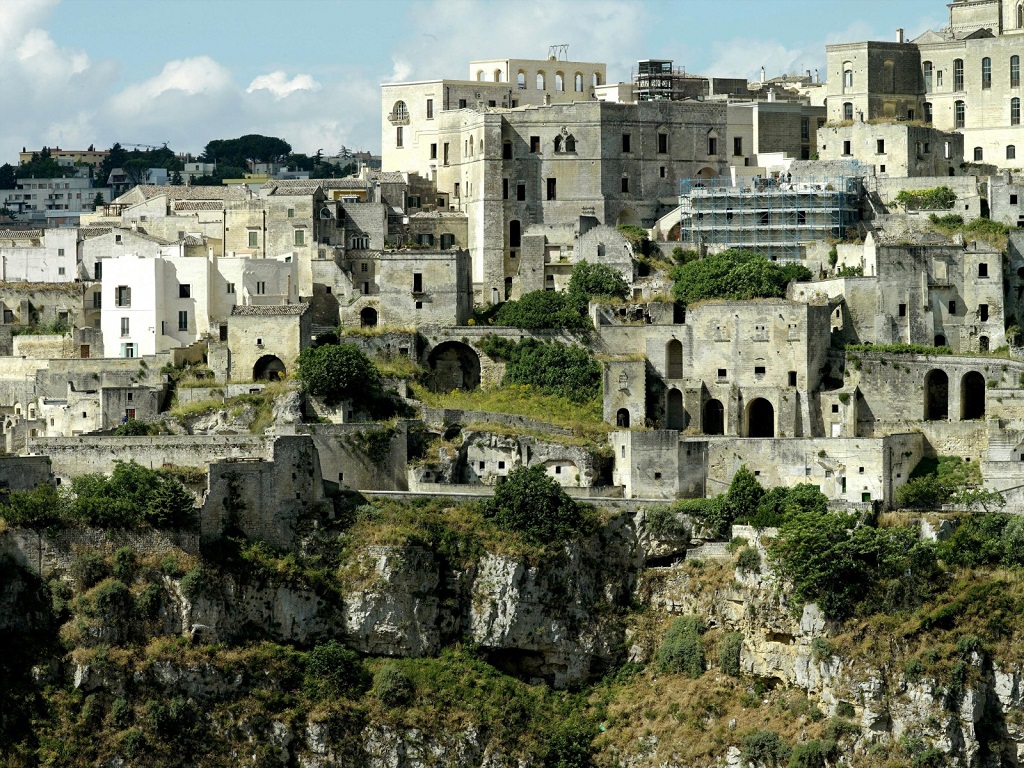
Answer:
[(992, 232), (398, 366), (584, 419), (374, 330)]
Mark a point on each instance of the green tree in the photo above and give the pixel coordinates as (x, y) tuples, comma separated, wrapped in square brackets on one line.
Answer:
[(539, 310), (253, 146), (550, 367), (533, 504), (41, 507), (131, 497), (8, 177), (589, 280), (744, 492), (733, 274), (339, 372)]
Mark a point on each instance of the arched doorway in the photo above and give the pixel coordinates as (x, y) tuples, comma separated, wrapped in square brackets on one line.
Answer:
[(707, 173), (676, 412), (674, 359), (515, 236), (368, 317), (453, 365), (622, 418), (940, 340), (983, 343), (760, 418), (268, 368), (714, 418), (936, 396), (972, 396), (628, 218)]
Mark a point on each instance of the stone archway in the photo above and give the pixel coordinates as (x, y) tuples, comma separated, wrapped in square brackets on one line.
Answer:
[(707, 173), (760, 418), (453, 365), (622, 418), (268, 368), (628, 218), (936, 396), (676, 412), (714, 418), (972, 396), (368, 317), (674, 359)]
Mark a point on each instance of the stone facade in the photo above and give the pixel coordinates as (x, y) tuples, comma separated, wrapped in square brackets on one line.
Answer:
[(265, 341), (894, 149)]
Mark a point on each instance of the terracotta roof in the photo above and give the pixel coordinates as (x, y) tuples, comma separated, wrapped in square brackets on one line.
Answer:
[(149, 191), (269, 310), (87, 232), (193, 240), (386, 177), (198, 205), (20, 234), (291, 186)]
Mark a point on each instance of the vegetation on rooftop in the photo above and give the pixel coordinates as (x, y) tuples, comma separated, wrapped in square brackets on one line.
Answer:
[(734, 274), (550, 367), (934, 199)]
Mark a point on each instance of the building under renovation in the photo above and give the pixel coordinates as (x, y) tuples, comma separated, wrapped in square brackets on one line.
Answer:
[(774, 217)]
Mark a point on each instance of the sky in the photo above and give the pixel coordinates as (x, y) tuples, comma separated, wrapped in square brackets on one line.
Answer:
[(184, 72)]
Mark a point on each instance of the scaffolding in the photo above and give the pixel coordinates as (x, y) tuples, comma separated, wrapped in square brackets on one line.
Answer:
[(774, 217)]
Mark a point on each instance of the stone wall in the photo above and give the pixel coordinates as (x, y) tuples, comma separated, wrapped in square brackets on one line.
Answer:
[(343, 461), (23, 473)]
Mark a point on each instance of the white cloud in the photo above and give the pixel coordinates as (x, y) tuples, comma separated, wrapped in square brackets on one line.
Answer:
[(196, 76), (279, 84)]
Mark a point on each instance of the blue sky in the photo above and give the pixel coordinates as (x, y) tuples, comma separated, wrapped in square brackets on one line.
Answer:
[(80, 72)]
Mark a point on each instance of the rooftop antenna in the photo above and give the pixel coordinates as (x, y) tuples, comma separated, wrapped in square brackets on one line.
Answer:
[(559, 52)]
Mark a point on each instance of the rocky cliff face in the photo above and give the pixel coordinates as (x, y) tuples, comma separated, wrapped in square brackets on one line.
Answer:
[(560, 620)]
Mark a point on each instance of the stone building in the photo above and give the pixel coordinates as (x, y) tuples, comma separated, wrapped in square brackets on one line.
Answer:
[(1006, 199), (964, 78), (265, 341), (894, 149)]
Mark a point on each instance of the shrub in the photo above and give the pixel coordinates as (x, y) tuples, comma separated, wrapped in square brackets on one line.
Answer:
[(977, 541), (41, 507), (147, 604), (334, 671), (131, 497), (541, 310), (135, 428), (193, 583), (551, 367), (122, 713), (588, 280), (339, 372), (734, 274), (713, 515), (89, 569), (125, 563), (682, 650), (729, 653), (845, 709), (778, 503), (663, 523), (749, 560), (535, 505), (570, 744), (821, 649), (765, 747), (936, 198), (812, 754), (392, 686)]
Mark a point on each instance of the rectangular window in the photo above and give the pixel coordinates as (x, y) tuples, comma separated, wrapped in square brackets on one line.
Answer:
[(430, 109), (712, 145), (1015, 71), (184, 291), (983, 312), (737, 145), (446, 153), (97, 300), (364, 267), (521, 191), (959, 114), (801, 217), (182, 320), (958, 74), (938, 78), (551, 189), (504, 189), (805, 128), (986, 73), (952, 307), (231, 287), (903, 310), (125, 329), (414, 201), (661, 171), (506, 150), (60, 270), (254, 238), (300, 237), (462, 103), (535, 144), (60, 251), (625, 183), (662, 143), (880, 146), (722, 372), (127, 350), (98, 271), (983, 269), (261, 288), (457, 190), (626, 142), (123, 296), (291, 213), (759, 370), (433, 151), (417, 282), (398, 136), (792, 378), (847, 147)]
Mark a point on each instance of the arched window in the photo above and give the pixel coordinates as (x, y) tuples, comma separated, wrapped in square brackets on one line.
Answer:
[(399, 111), (540, 81), (558, 143), (847, 110), (959, 114), (986, 72), (480, 75), (570, 143), (979, 154), (1011, 152), (470, 146), (559, 81), (597, 79), (847, 76), (578, 83), (1015, 71), (1015, 111), (622, 418), (497, 75), (521, 80), (1020, 16), (927, 111), (927, 77), (958, 74)]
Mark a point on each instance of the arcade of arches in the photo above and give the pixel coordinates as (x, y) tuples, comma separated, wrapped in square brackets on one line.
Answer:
[(937, 393)]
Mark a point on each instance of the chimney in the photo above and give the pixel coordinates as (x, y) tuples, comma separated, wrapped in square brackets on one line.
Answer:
[(807, 74), (817, 79), (762, 74), (899, 35)]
